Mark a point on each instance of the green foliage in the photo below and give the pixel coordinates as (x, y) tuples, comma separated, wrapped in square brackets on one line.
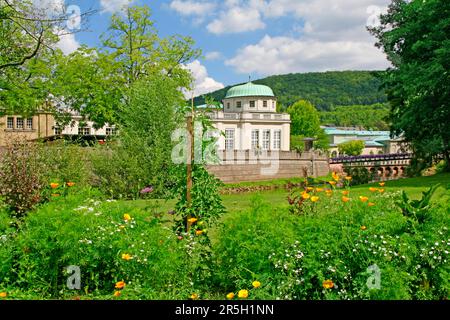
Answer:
[(322, 89), (369, 117), (304, 119), (416, 38), (360, 175), (351, 148)]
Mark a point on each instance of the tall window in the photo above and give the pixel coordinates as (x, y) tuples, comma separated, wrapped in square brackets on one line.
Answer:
[(273, 104), (252, 104), (10, 123), (265, 104), (57, 131), (228, 105), (255, 139), (238, 104), (266, 140), (277, 140), (30, 123), (19, 123), (110, 131), (229, 139), (84, 131)]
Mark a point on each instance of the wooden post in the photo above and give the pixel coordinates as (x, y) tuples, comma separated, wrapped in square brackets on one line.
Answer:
[(190, 159)]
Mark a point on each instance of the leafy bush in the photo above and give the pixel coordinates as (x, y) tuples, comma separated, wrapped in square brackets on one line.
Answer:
[(360, 175)]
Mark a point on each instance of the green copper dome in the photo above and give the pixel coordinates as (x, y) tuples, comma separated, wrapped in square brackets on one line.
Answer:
[(249, 90)]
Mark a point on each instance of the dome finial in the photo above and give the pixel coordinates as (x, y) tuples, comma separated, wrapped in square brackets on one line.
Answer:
[(249, 78)]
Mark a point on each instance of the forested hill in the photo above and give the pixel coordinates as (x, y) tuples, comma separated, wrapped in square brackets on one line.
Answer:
[(322, 89)]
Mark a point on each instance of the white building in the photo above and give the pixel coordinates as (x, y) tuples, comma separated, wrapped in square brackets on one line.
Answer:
[(249, 120)]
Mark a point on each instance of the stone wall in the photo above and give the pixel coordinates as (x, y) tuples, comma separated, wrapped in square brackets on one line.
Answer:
[(242, 166)]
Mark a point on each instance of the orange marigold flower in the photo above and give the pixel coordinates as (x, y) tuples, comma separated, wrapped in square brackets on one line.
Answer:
[(256, 284), (329, 192), (333, 183), (54, 185), (314, 199), (192, 220), (382, 184), (3, 294), (380, 190), (194, 296), (120, 285), (345, 199), (319, 189), (371, 204), (305, 195), (335, 176), (363, 199), (345, 192), (199, 232), (117, 293), (243, 294), (126, 256), (328, 284), (310, 188), (126, 217), (70, 184), (230, 296), (372, 189), (363, 228)]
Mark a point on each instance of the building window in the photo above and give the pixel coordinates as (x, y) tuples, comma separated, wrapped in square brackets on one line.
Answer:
[(255, 139), (19, 123), (265, 104), (57, 131), (266, 140), (111, 131), (84, 131), (229, 139), (228, 105), (238, 104), (277, 140), (10, 123), (252, 104), (30, 123), (273, 104)]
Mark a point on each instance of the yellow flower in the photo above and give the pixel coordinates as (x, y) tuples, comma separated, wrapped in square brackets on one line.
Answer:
[(348, 178), (310, 188), (121, 226), (117, 293), (194, 296), (199, 232), (305, 195), (192, 220), (333, 183), (345, 199), (328, 284), (380, 190), (243, 294), (314, 199), (54, 185), (363, 228), (363, 199), (256, 284), (126, 256), (371, 204), (230, 295), (382, 184), (3, 294), (345, 192), (335, 176), (329, 192), (319, 189), (126, 217), (372, 189), (120, 285), (70, 184)]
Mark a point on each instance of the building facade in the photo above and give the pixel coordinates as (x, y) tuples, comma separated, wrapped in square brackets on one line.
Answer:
[(249, 121), (31, 128)]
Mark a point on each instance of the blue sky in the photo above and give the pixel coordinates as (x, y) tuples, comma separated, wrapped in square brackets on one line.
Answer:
[(257, 38)]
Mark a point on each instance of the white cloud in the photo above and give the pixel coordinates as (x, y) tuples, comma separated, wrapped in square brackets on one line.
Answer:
[(237, 19), (113, 6), (67, 42), (189, 7), (213, 55), (203, 83)]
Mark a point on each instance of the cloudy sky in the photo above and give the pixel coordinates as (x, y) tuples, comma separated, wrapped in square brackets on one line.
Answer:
[(257, 38)]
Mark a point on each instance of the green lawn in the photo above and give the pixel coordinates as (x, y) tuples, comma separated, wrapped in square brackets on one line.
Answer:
[(277, 198)]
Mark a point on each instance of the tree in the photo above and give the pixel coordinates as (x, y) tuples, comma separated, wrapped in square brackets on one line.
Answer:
[(351, 148), (305, 119), (415, 35)]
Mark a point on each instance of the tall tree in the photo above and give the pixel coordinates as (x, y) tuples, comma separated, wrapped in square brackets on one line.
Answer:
[(415, 35), (305, 119)]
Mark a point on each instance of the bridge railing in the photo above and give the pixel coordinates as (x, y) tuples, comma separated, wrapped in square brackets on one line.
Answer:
[(367, 158)]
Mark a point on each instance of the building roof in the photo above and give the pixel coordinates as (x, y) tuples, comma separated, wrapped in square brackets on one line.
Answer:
[(249, 90), (334, 131)]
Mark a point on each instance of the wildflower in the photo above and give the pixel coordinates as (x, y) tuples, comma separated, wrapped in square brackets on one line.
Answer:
[(363, 228), (243, 294), (329, 192), (126, 256), (363, 199), (380, 190), (345, 192), (120, 285), (348, 178), (192, 220), (333, 183), (328, 284), (126, 217), (305, 195), (309, 188), (319, 189), (148, 189), (230, 295), (3, 294), (199, 232), (70, 184), (372, 189), (256, 284), (314, 199), (55, 195), (335, 176), (180, 238), (54, 185), (121, 226), (371, 204), (382, 184), (194, 296), (117, 293), (345, 199)]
